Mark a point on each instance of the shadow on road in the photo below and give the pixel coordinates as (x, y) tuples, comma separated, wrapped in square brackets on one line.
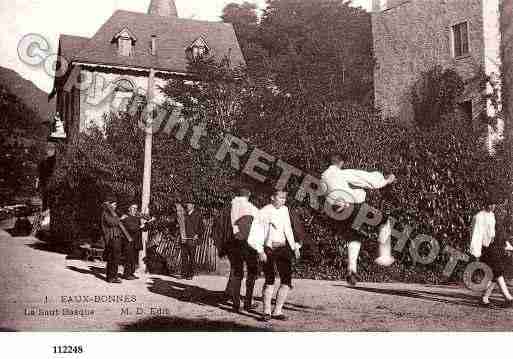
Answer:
[(176, 324), (98, 272), (440, 297), (192, 294), (49, 247), (291, 306)]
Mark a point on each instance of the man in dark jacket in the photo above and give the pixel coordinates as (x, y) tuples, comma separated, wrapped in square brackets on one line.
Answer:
[(113, 239), (191, 231), (222, 233), (131, 249)]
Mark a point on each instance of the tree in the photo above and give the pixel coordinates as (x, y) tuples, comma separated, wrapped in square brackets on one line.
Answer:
[(21, 142), (245, 21), (434, 95), (219, 98), (319, 50)]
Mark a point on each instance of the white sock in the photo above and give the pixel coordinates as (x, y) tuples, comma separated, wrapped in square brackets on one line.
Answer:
[(281, 297), (267, 293), (353, 251), (488, 292)]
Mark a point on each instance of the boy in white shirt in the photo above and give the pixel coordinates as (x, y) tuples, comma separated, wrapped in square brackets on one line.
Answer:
[(345, 188), (273, 238)]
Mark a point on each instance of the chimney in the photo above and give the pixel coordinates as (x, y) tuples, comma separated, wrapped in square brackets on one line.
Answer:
[(165, 8), (154, 45)]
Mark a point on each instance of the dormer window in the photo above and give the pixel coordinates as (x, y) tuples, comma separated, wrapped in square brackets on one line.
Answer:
[(125, 46), (126, 42), (197, 49)]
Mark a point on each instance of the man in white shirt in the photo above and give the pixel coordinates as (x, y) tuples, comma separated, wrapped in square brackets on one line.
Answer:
[(242, 213), (272, 237), (345, 188), (491, 249)]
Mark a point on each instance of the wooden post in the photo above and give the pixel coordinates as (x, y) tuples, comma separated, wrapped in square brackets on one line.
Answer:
[(148, 141)]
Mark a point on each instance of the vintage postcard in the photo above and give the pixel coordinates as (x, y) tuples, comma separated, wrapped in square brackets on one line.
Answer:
[(256, 166)]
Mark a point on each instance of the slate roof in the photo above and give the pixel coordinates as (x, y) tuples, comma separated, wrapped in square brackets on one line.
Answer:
[(174, 35), (70, 46)]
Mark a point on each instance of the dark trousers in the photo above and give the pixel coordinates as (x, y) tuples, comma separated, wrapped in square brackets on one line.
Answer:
[(281, 259), (131, 258), (113, 249), (238, 254), (45, 198), (188, 254)]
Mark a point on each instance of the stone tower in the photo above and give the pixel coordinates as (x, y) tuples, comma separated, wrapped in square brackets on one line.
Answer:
[(163, 8)]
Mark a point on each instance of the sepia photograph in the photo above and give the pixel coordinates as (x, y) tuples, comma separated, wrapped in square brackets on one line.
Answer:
[(256, 166)]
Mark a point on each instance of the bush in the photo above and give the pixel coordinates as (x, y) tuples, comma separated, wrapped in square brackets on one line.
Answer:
[(435, 94), (444, 174), (444, 170)]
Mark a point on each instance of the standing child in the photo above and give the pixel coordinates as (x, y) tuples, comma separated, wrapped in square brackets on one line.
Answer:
[(272, 237), (491, 250)]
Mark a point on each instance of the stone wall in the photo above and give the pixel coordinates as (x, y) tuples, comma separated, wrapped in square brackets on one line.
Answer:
[(506, 27), (413, 37)]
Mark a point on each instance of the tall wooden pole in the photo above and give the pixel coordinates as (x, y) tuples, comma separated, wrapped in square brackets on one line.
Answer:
[(148, 141)]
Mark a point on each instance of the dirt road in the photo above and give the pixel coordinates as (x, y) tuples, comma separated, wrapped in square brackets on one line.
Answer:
[(41, 290)]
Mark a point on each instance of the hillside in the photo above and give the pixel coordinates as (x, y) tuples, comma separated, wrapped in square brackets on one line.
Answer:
[(22, 137), (29, 94)]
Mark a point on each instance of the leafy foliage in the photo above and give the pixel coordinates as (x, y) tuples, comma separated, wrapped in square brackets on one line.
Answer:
[(434, 95), (444, 172), (21, 139), (314, 49)]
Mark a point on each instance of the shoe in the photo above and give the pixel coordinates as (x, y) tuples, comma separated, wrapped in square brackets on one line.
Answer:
[(266, 318), (250, 307), (485, 305), (227, 298), (351, 279), (189, 277), (236, 309), (280, 317), (130, 277), (115, 280)]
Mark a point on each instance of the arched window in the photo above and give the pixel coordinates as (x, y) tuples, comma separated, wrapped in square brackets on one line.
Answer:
[(124, 90)]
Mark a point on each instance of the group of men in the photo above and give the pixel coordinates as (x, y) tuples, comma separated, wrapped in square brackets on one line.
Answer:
[(123, 238), (247, 235), (272, 235)]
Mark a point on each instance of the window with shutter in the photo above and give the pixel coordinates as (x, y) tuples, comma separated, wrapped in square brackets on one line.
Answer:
[(461, 42)]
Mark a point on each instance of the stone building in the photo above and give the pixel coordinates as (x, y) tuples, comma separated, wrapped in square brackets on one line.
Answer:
[(506, 27), (96, 75), (412, 36)]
